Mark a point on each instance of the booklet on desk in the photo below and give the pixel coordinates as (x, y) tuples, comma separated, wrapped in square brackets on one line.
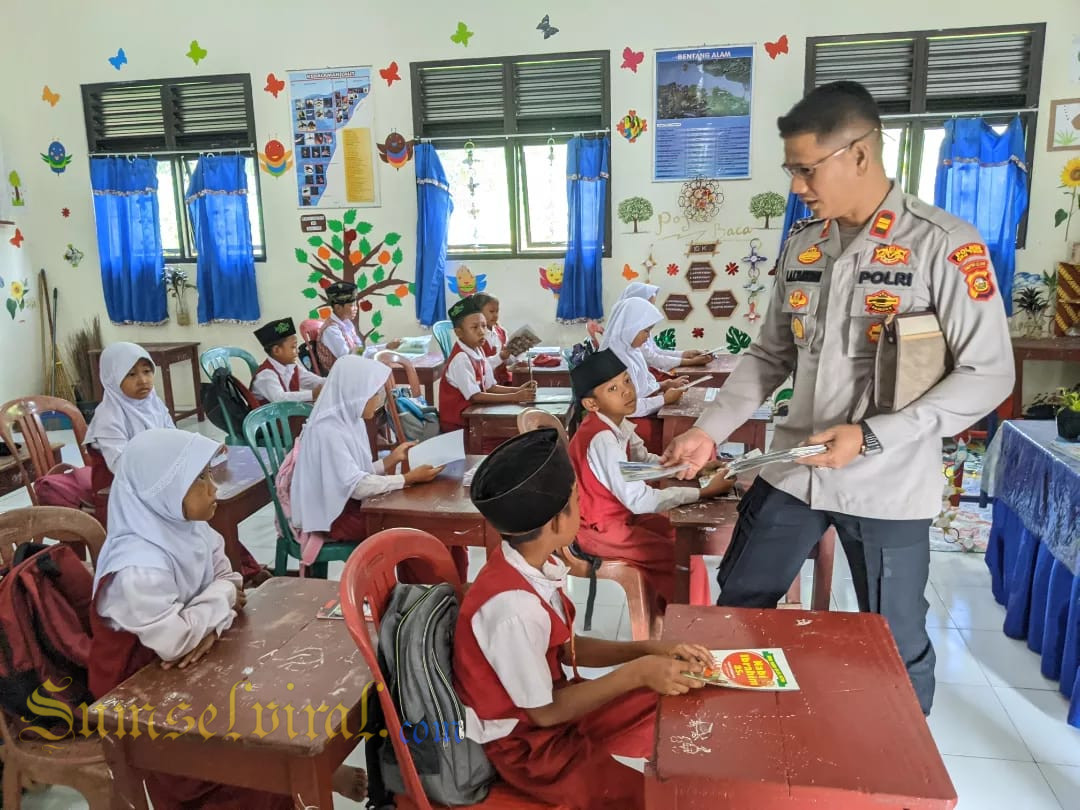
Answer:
[(332, 610), (522, 340), (763, 669), (439, 450)]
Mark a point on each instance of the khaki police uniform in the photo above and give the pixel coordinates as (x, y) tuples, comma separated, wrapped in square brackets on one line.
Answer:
[(823, 323)]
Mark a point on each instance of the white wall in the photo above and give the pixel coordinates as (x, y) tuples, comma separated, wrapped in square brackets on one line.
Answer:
[(64, 44)]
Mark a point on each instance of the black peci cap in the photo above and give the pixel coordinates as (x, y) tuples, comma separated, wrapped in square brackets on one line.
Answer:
[(594, 370)]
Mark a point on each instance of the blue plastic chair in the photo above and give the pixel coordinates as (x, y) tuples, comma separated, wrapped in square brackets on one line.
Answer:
[(268, 428), (221, 357), (444, 334)]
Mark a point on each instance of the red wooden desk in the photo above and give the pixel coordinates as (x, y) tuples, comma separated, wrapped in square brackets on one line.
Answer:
[(163, 355), (429, 367), (719, 368), (500, 421), (1065, 349), (440, 507), (852, 738), (242, 492), (554, 377), (289, 659), (681, 416)]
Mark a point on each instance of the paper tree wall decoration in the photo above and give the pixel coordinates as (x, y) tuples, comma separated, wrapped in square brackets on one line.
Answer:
[(722, 304), (677, 307)]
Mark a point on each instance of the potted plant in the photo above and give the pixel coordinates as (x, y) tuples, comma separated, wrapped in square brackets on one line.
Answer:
[(1068, 415), (176, 281), (1031, 302)]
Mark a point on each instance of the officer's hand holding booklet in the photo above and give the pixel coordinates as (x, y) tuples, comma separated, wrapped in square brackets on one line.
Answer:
[(764, 669), (652, 471)]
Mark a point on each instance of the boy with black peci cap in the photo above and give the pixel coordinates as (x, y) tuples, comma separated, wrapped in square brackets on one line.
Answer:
[(338, 335), (620, 519), (549, 736), (281, 378), (469, 379)]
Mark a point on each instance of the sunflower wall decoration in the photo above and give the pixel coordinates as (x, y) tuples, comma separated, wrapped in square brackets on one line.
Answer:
[(1070, 181), (701, 199)]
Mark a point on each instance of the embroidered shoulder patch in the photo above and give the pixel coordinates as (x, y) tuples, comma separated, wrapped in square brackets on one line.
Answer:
[(965, 252), (980, 285)]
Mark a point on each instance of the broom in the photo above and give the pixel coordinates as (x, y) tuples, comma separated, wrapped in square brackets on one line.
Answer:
[(59, 382)]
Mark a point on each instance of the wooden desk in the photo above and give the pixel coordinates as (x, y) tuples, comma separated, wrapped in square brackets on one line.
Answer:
[(554, 377), (163, 355), (500, 421), (242, 492), (18, 472), (429, 367), (441, 507), (719, 367), (276, 643), (852, 738), (1065, 349), (680, 417)]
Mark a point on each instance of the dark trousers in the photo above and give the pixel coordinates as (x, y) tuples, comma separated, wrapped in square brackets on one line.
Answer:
[(889, 560)]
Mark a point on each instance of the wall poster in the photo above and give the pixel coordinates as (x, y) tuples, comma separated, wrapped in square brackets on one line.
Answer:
[(703, 100), (332, 119)]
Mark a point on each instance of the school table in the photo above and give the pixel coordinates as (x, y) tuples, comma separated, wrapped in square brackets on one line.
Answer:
[(242, 491), (546, 377), (429, 367), (679, 417), (852, 738), (163, 355), (441, 507), (720, 368), (1064, 349), (220, 713), (1034, 548), (500, 421)]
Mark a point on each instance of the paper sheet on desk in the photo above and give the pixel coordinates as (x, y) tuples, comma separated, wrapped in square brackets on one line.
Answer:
[(439, 450)]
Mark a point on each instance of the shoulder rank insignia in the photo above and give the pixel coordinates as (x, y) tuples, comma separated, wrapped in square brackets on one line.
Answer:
[(883, 224)]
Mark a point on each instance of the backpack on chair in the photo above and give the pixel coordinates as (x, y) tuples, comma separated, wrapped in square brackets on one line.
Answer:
[(415, 649), (419, 420), (226, 395)]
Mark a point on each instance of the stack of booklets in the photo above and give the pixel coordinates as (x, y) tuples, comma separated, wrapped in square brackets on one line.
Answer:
[(648, 471), (755, 459), (522, 340)]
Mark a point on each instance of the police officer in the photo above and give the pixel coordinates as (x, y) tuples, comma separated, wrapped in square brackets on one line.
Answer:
[(869, 250)]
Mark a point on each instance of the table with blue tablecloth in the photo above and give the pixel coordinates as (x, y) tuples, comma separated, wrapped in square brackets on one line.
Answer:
[(1034, 549)]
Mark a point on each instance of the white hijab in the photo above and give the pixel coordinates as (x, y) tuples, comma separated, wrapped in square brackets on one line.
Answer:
[(638, 289), (627, 319), (334, 449), (147, 527), (119, 417)]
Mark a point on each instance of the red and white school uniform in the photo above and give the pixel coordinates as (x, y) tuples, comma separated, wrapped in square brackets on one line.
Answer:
[(508, 657), (492, 345), (620, 519), (275, 382), (467, 374)]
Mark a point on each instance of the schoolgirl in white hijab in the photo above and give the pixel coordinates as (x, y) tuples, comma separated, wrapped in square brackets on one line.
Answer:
[(120, 417), (655, 357), (625, 334)]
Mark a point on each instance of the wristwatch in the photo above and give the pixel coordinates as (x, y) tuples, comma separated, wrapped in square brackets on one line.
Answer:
[(870, 444)]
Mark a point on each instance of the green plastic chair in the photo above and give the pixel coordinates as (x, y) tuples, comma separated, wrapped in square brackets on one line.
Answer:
[(444, 334), (222, 357), (268, 429)]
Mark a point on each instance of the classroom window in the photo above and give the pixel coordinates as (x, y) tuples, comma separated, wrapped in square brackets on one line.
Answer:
[(175, 121), (921, 79), (490, 121)]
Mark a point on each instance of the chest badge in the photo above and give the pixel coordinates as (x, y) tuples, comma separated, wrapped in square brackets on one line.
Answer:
[(810, 255), (891, 254), (883, 224), (798, 299), (797, 328), (873, 334), (882, 303)]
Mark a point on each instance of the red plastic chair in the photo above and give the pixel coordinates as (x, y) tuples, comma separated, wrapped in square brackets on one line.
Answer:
[(309, 333), (370, 577)]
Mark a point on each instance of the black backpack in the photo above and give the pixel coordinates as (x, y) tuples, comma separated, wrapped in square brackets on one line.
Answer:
[(227, 401)]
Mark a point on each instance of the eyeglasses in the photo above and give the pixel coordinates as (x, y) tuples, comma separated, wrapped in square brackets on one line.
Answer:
[(807, 172)]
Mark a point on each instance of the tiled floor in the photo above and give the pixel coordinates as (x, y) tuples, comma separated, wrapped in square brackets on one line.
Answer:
[(999, 724)]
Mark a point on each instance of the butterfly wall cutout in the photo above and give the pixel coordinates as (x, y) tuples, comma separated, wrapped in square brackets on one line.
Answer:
[(274, 85), (461, 35), (49, 96), (774, 49), (546, 26), (629, 273), (196, 53), (631, 59), (390, 73), (119, 60), (17, 239)]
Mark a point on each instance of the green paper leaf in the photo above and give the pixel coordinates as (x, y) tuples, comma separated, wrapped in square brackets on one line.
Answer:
[(315, 241), (309, 292), (378, 275), (301, 255), (313, 314), (336, 264), (335, 225), (374, 337), (336, 243), (376, 319), (350, 216), (397, 256), (364, 247), (737, 340), (393, 300), (363, 227), (392, 238), (361, 282), (315, 277), (1060, 216), (11, 307), (22, 304), (412, 288), (666, 339)]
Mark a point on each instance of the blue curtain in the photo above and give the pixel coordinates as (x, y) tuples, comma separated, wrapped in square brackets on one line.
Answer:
[(129, 239), (587, 170), (433, 208), (982, 177), (218, 206), (795, 211)]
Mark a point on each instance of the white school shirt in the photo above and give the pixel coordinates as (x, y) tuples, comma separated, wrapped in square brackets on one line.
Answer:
[(377, 482), (267, 385), (146, 602), (513, 630), (662, 359), (340, 337), (604, 453), (459, 373)]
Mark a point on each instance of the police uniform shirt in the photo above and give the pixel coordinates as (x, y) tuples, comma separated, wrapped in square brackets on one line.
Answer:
[(824, 320)]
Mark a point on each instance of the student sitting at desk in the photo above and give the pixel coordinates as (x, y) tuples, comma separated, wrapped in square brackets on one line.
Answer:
[(657, 358), (338, 336), (164, 591), (494, 345), (620, 519), (281, 377), (469, 379), (546, 735)]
